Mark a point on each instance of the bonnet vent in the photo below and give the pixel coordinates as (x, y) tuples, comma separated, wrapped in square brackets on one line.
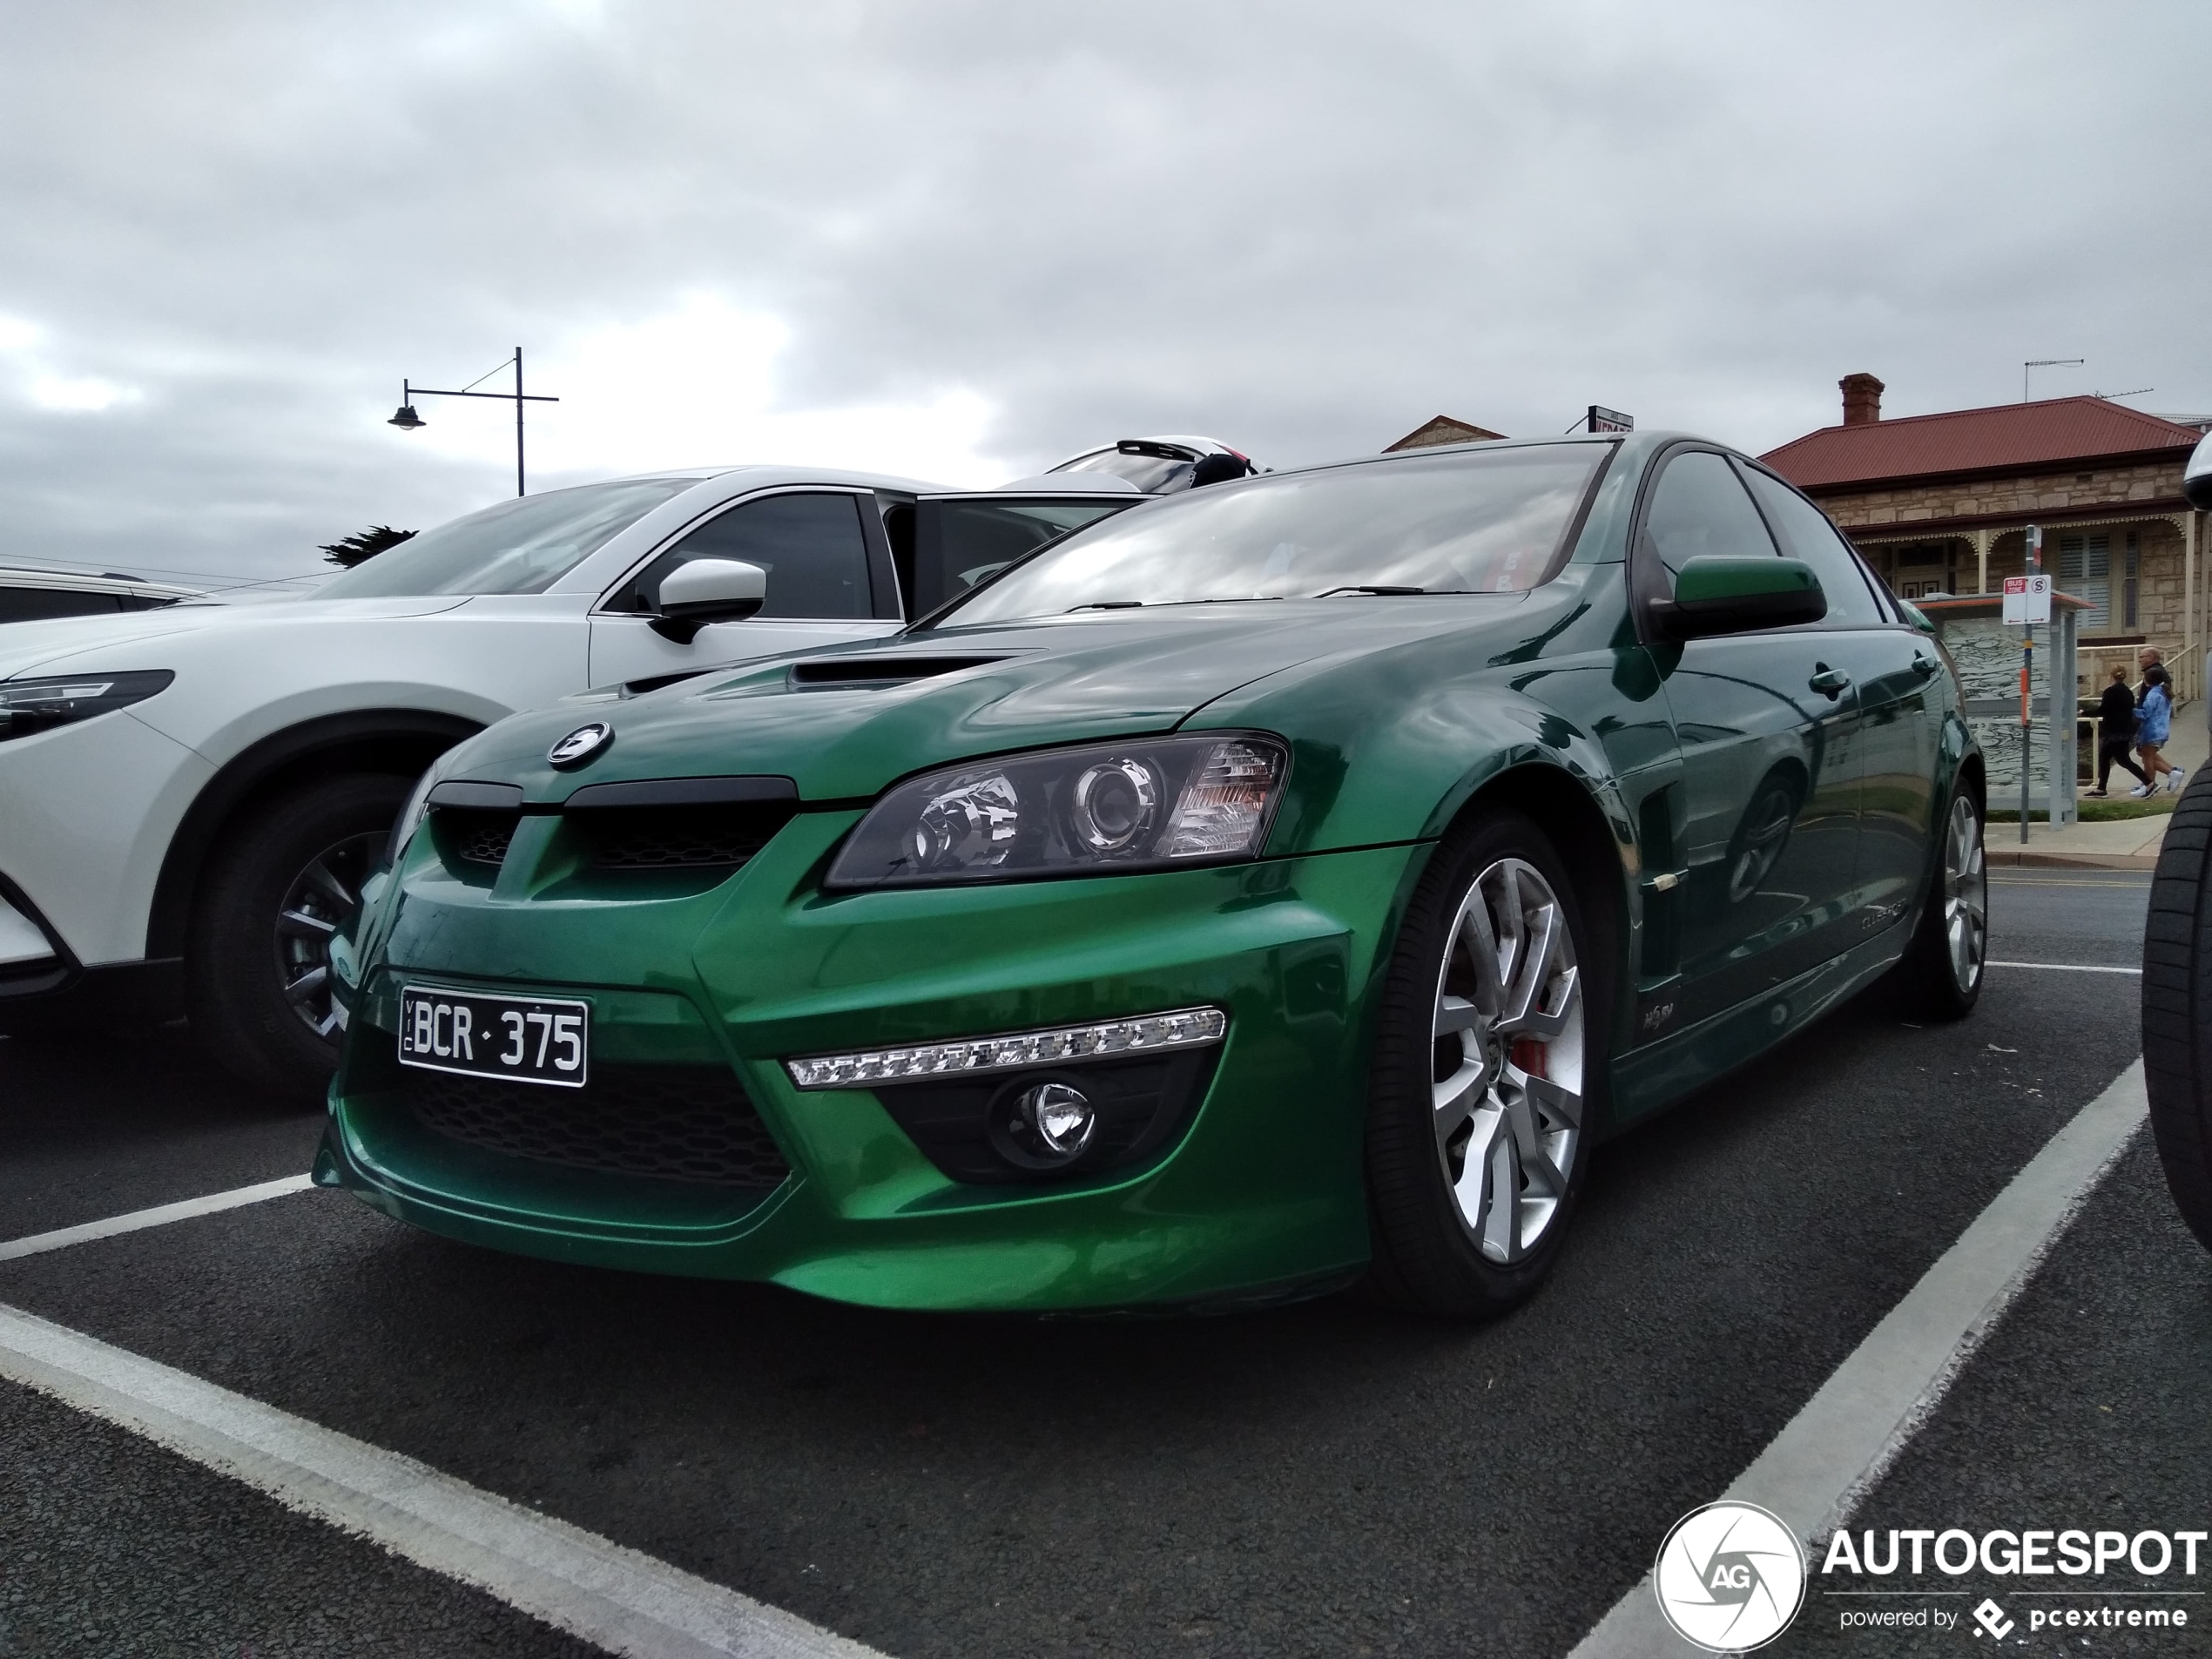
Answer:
[(883, 670)]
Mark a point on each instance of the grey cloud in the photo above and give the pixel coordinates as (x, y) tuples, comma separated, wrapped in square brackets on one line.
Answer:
[(1303, 228)]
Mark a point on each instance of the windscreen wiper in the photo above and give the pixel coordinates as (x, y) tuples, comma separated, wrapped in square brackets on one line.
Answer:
[(1109, 604), (1333, 592)]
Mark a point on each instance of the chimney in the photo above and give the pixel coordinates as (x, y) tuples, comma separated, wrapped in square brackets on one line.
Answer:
[(1861, 398)]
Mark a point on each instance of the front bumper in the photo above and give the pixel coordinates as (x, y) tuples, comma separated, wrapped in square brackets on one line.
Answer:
[(1259, 1185)]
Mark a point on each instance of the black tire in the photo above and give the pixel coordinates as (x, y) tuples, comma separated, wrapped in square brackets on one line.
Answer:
[(1428, 1256), (2177, 1006), (239, 961), (1933, 981)]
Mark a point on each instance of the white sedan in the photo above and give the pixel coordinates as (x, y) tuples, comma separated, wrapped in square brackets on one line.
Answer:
[(191, 797)]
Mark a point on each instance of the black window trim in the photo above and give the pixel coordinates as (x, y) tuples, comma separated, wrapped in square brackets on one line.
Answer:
[(881, 580), (1885, 605), (1640, 591)]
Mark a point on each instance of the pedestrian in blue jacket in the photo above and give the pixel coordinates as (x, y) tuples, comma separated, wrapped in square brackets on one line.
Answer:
[(2154, 721)]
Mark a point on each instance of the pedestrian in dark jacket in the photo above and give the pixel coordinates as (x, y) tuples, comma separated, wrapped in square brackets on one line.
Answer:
[(2115, 730)]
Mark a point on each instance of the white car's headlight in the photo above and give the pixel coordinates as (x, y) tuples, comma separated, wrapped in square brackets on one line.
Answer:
[(1145, 804), (31, 705)]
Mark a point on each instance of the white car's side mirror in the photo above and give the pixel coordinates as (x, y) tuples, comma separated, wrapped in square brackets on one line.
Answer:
[(702, 591)]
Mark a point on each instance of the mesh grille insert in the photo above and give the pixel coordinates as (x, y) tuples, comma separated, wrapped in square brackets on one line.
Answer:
[(473, 835), (678, 838), (672, 1123)]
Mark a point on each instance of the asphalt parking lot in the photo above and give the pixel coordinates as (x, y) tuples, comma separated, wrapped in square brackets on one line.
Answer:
[(1324, 1479)]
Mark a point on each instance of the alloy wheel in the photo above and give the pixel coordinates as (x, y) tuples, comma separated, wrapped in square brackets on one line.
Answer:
[(1966, 895), (320, 898), (1507, 1047)]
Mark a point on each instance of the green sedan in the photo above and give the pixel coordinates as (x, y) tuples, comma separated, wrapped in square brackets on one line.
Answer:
[(1253, 893)]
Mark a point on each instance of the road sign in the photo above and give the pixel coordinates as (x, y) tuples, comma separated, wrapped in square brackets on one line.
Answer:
[(1605, 420), (2027, 599)]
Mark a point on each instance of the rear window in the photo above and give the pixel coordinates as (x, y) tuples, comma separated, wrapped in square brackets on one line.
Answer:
[(1492, 521)]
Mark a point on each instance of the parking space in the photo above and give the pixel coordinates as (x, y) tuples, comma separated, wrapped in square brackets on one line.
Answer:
[(1324, 1479)]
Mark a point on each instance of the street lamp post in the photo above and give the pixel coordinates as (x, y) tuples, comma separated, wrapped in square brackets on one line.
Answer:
[(408, 421)]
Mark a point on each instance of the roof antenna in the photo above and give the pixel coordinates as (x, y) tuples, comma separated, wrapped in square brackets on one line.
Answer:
[(2046, 362), (2140, 391)]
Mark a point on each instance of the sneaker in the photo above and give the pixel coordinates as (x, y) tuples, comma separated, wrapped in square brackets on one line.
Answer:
[(2092, 794), (2176, 779), (2140, 791)]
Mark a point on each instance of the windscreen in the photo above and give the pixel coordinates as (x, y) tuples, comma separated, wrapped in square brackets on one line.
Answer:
[(1472, 521), (521, 546)]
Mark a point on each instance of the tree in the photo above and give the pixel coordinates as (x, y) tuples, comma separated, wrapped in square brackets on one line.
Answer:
[(354, 550)]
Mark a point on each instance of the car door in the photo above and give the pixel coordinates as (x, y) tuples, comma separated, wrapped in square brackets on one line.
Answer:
[(830, 581), (957, 541), (1764, 721), (1895, 672)]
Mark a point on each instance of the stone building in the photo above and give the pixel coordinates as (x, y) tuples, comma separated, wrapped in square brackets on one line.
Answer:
[(1939, 503)]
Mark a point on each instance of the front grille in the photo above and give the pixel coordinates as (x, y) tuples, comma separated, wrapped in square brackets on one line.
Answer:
[(670, 1122), (473, 835), (678, 838)]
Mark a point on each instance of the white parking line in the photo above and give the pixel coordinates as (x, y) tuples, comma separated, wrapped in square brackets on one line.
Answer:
[(159, 1216), (2065, 967), (1832, 1453), (625, 1602)]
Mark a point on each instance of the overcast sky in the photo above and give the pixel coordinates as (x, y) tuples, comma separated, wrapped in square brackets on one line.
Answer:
[(959, 241)]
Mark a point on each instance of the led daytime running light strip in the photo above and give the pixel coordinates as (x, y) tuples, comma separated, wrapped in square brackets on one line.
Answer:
[(1147, 1033)]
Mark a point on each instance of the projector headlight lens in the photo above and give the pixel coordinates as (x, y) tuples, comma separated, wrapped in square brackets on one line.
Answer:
[(1144, 804)]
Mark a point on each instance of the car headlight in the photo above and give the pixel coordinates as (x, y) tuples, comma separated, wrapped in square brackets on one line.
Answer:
[(1147, 804), (33, 706)]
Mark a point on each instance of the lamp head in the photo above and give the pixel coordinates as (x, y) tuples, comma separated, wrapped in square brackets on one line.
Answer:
[(407, 419)]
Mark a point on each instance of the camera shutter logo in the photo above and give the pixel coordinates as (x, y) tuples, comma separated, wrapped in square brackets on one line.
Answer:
[(1729, 1577), (580, 744)]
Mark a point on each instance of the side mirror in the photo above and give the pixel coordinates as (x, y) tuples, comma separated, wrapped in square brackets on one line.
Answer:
[(1916, 617), (701, 591), (1723, 594), (2196, 477)]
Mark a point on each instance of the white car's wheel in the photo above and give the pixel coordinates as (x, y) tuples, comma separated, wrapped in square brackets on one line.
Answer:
[(259, 960)]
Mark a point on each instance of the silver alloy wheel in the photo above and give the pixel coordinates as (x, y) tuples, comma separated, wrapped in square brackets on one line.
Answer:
[(1966, 895), (1508, 1048), (321, 897)]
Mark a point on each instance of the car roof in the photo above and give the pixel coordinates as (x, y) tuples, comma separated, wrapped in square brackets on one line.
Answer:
[(1637, 443), (768, 476)]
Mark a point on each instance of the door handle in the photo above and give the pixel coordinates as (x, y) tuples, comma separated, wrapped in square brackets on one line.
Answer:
[(1831, 683), (1924, 666)]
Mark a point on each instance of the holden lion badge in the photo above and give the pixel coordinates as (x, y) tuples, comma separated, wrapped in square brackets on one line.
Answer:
[(580, 744), (1729, 1577)]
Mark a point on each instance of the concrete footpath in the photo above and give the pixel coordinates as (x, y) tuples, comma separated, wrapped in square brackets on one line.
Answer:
[(2126, 844)]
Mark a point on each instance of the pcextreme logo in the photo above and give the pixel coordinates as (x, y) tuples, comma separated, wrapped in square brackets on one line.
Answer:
[(1729, 1577)]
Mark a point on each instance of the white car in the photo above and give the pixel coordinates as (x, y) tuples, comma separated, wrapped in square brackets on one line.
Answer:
[(190, 797)]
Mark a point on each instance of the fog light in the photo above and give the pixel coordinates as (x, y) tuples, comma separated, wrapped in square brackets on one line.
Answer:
[(1052, 1122)]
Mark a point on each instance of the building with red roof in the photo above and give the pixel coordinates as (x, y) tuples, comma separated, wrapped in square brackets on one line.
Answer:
[(1939, 503)]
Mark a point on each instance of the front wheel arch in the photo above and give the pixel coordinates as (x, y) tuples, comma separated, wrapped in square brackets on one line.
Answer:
[(374, 741)]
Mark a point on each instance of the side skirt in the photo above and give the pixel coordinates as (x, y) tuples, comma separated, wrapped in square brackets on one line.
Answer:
[(1651, 1079)]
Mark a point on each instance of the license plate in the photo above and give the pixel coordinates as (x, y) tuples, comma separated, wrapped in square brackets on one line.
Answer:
[(525, 1040)]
